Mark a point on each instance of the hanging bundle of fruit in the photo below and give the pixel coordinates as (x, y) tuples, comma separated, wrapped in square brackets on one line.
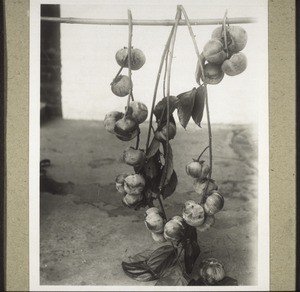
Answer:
[(154, 177)]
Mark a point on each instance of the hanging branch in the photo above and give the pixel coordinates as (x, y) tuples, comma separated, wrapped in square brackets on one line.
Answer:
[(193, 39), (210, 147), (225, 32), (129, 55), (156, 87), (168, 83), (198, 159)]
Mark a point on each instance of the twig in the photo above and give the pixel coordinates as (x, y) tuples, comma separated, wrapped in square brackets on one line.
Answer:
[(210, 147), (156, 87), (225, 32), (170, 58), (193, 39), (165, 74), (129, 55), (198, 159)]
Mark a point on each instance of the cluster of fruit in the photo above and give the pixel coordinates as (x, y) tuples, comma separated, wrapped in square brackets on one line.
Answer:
[(222, 54), (194, 214), (121, 85), (126, 125)]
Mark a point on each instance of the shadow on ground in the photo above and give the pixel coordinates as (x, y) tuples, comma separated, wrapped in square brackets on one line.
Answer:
[(86, 232)]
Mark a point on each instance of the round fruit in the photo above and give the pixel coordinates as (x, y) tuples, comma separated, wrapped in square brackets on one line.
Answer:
[(214, 52), (214, 203), (200, 186), (175, 229), (208, 222), (197, 169), (236, 37), (139, 111), (152, 210), (134, 184), (125, 126), (120, 182), (132, 200), (121, 85), (111, 119), (213, 73), (193, 214), (138, 58), (162, 135), (211, 271), (129, 136), (134, 157), (158, 237), (154, 222), (235, 65)]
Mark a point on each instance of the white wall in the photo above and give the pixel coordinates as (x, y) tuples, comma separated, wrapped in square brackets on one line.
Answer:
[(88, 57)]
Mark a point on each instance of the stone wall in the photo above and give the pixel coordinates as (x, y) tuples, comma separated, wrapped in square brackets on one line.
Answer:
[(50, 65)]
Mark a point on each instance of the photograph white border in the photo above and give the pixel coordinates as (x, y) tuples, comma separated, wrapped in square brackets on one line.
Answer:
[(34, 158)]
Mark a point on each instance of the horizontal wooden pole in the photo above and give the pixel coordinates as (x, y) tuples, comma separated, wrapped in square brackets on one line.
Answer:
[(167, 22)]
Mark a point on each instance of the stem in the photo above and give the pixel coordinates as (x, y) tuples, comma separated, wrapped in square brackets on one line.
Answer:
[(137, 141), (210, 148), (193, 39), (119, 72), (165, 74), (156, 87), (129, 55), (225, 32), (170, 58), (162, 207), (198, 159)]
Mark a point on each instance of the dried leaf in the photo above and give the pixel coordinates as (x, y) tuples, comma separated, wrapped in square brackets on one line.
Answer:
[(160, 109), (153, 148), (200, 96), (152, 266), (185, 106), (142, 256), (199, 73), (169, 163), (162, 258), (170, 188), (191, 253), (152, 167), (139, 271), (172, 277)]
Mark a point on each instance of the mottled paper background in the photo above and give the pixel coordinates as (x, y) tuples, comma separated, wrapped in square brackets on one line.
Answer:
[(282, 143)]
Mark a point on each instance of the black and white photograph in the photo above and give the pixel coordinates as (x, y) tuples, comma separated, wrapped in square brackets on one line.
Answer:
[(149, 145)]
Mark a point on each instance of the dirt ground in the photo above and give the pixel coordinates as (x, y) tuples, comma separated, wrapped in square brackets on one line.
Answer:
[(86, 232)]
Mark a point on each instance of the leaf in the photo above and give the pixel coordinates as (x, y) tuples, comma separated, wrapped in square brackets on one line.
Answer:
[(172, 277), (138, 271), (152, 167), (153, 148), (185, 106), (169, 162), (160, 109), (170, 188), (199, 73), (162, 258), (191, 253), (142, 256), (152, 264), (200, 96)]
